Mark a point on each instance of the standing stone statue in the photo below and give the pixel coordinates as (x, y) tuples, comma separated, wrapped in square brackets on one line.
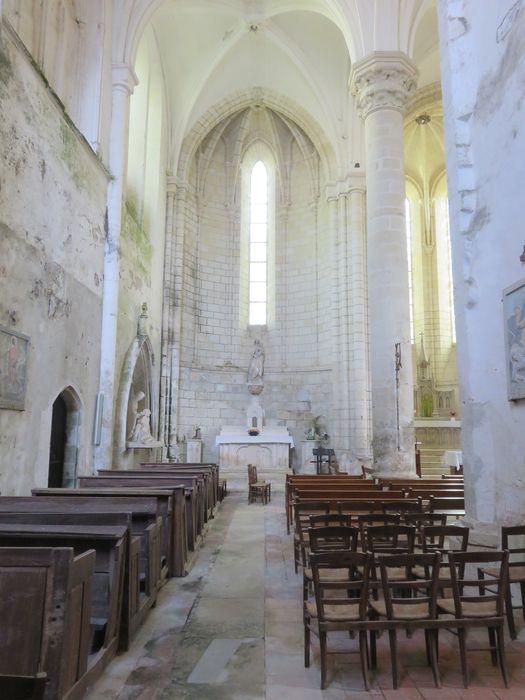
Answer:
[(256, 369)]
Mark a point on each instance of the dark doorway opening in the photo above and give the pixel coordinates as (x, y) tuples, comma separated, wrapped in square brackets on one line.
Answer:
[(57, 447)]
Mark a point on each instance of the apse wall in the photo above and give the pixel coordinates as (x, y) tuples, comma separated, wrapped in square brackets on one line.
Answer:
[(52, 204), (217, 341)]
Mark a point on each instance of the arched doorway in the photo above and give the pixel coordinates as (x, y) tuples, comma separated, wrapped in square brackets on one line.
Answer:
[(63, 446)]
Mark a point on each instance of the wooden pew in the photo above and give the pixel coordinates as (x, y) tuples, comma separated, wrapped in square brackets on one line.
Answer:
[(138, 596), (170, 507), (196, 502), (147, 520), (454, 507), (23, 687), (45, 597), (209, 471), (110, 544)]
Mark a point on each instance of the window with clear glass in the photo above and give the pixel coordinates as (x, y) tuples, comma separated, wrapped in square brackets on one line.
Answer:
[(258, 245), (450, 278), (408, 220)]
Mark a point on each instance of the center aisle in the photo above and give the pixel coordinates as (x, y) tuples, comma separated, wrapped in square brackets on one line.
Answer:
[(232, 630)]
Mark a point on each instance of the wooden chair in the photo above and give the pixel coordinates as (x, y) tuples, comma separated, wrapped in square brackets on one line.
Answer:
[(258, 488), (516, 571), (420, 520), (330, 538), (340, 605), (474, 604), (302, 513), (408, 603), (405, 505), (437, 538), (322, 520)]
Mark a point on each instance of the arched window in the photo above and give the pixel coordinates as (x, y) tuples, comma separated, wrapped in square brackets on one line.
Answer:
[(258, 245)]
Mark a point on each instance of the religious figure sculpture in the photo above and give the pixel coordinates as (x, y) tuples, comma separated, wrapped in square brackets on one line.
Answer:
[(141, 421), (142, 429), (256, 368)]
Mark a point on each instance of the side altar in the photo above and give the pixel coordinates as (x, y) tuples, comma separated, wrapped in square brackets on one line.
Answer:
[(269, 450)]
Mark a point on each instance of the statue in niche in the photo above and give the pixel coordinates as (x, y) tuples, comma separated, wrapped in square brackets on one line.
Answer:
[(141, 421), (256, 368), (142, 430)]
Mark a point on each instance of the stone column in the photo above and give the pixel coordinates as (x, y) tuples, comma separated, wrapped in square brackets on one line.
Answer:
[(124, 81), (359, 358), (167, 330), (175, 320), (382, 83)]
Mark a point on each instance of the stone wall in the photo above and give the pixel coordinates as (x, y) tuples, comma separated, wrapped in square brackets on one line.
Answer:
[(52, 204), (216, 342), (483, 71)]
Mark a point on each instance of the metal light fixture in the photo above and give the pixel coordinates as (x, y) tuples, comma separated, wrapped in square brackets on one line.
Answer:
[(423, 118)]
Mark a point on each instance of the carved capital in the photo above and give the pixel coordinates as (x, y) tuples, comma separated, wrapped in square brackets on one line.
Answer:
[(383, 80), (123, 77)]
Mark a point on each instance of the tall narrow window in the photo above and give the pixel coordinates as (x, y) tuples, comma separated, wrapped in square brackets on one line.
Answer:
[(258, 249), (409, 258)]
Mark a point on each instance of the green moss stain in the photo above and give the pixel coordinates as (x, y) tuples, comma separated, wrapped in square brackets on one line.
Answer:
[(136, 248), (69, 154), (6, 69)]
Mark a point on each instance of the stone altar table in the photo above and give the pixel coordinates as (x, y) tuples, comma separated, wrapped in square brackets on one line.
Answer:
[(268, 451)]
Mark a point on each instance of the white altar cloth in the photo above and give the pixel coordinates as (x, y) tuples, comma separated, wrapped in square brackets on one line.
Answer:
[(453, 458), (269, 434)]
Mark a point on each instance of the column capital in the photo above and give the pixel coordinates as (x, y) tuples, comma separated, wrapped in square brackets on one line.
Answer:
[(175, 186), (353, 182), (383, 80), (124, 77)]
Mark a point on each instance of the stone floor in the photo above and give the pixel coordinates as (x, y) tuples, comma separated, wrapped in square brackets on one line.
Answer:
[(232, 630)]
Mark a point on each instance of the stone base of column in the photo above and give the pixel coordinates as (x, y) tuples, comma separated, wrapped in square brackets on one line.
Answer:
[(391, 461)]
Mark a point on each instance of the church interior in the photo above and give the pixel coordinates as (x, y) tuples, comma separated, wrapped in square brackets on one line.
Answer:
[(254, 232)]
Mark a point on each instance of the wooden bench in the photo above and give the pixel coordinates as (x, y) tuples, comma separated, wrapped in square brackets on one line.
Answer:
[(110, 544), (195, 495), (23, 687), (209, 471), (138, 596), (45, 599), (173, 553)]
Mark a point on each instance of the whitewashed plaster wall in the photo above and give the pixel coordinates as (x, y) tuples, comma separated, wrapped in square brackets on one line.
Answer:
[(52, 203), (142, 235), (483, 70), (216, 342)]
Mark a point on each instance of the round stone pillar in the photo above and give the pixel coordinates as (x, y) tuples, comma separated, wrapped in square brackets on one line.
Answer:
[(382, 84)]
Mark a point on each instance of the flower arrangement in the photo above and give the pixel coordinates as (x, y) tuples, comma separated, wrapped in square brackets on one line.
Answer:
[(253, 431)]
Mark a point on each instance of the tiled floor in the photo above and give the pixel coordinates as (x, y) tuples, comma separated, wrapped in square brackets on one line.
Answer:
[(232, 630)]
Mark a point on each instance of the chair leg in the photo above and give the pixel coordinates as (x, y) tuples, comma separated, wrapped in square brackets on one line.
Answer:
[(306, 645), (363, 655), (373, 650), (393, 657), (501, 653), (432, 650), (510, 613), (522, 586), (493, 646), (462, 641), (322, 644)]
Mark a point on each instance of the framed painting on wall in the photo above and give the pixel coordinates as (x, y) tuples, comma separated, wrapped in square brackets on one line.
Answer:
[(14, 349), (514, 317)]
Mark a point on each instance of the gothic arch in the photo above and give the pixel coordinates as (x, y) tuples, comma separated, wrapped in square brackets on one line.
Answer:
[(71, 460), (140, 351), (244, 99)]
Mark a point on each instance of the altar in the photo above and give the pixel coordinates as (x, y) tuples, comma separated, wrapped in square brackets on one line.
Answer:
[(270, 450)]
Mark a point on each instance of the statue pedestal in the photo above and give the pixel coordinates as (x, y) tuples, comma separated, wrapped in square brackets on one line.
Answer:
[(194, 450), (307, 457)]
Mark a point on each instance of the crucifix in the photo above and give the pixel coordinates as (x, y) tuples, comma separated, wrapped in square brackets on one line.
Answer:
[(398, 366)]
